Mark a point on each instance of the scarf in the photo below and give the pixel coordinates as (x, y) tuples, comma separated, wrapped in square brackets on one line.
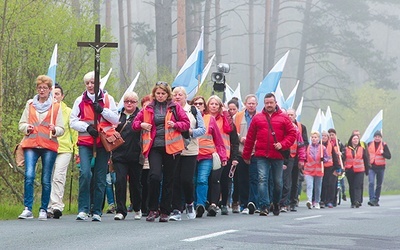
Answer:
[(41, 107)]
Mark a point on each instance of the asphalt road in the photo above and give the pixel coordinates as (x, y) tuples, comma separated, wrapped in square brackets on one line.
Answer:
[(336, 228)]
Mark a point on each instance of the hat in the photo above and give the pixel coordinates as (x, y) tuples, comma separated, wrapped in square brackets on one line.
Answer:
[(378, 133)]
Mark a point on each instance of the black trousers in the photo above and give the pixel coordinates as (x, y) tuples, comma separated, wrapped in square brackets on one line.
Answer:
[(134, 171), (226, 183), (329, 184), (356, 183), (183, 187), (162, 168), (294, 187), (214, 185), (242, 172), (145, 184), (287, 183)]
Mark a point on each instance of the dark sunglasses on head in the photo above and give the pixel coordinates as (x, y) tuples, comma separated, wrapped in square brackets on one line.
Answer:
[(161, 83)]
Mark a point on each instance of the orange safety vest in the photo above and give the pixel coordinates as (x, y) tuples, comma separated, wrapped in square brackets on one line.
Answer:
[(313, 166), (84, 138), (173, 138), (375, 155), (238, 120), (225, 137), (40, 136), (329, 163), (293, 148), (206, 142), (356, 162)]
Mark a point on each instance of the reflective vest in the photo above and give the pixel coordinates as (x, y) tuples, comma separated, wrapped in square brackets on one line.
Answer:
[(225, 136), (329, 148), (40, 136), (173, 138), (313, 166), (238, 120), (293, 148), (356, 162), (375, 155), (84, 138), (206, 142)]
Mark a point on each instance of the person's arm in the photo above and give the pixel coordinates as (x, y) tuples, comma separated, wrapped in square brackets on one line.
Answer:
[(74, 120), (218, 141), (367, 163), (250, 139), (23, 124), (201, 128), (234, 140), (111, 113), (227, 122), (304, 134), (386, 152), (183, 123), (59, 126), (138, 121)]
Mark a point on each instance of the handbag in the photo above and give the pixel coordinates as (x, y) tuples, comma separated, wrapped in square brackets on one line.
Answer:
[(19, 154), (111, 139), (216, 161), (285, 153)]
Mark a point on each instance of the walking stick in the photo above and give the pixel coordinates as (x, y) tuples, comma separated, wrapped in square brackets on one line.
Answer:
[(71, 163)]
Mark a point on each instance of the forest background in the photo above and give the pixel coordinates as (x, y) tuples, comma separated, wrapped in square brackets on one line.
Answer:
[(344, 53)]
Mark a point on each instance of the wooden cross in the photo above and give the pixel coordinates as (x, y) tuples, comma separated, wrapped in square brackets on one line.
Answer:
[(97, 46)]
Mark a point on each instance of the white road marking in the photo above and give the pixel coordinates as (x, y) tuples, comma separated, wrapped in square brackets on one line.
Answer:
[(209, 235), (309, 217)]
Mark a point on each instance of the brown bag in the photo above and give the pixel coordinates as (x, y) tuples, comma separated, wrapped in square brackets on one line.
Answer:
[(111, 139), (19, 154)]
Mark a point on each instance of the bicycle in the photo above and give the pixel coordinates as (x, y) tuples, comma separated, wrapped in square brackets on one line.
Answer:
[(340, 176)]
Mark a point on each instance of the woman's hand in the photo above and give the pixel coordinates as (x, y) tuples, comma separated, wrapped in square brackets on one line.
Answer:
[(146, 126), (223, 163)]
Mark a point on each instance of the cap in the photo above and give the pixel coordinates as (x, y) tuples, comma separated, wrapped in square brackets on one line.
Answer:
[(378, 133)]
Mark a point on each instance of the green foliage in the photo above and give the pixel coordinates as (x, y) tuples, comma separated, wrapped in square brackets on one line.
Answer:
[(143, 35)]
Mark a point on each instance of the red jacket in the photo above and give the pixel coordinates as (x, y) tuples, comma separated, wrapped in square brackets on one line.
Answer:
[(260, 136)]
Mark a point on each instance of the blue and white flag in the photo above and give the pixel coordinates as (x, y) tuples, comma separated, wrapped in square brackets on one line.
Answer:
[(280, 99), (328, 121), (271, 81), (51, 72), (375, 125), (299, 109), (129, 89), (190, 74), (290, 100), (317, 125), (192, 93), (103, 80)]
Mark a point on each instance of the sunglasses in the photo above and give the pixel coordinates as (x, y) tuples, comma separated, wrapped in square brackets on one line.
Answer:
[(198, 103), (129, 102), (161, 83)]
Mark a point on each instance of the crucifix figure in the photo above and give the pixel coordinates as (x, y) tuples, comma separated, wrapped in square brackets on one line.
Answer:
[(97, 46)]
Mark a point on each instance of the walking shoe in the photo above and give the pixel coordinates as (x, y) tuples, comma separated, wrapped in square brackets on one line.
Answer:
[(212, 210), (264, 212), (26, 214), (322, 204), (276, 210), (224, 210), (344, 197), (82, 216), (200, 211), (164, 218), (376, 204), (42, 214), (138, 215), (235, 208), (245, 211), (130, 208), (293, 208), (152, 216), (330, 205), (317, 206), (119, 216), (96, 217), (308, 204), (56, 213), (111, 209), (190, 211), (50, 215), (175, 215), (251, 207), (371, 203), (284, 209), (357, 204)]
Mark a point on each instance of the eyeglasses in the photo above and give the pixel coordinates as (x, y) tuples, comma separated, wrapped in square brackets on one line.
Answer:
[(130, 101), (198, 103), (161, 83), (42, 88)]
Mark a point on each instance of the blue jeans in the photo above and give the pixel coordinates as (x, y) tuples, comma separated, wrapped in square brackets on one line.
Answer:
[(99, 179), (110, 180), (31, 157), (313, 183), (201, 175), (374, 195), (253, 181), (267, 167)]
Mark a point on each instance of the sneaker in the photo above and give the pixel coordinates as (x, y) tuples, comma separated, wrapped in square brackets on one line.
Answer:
[(56, 213), (224, 210), (245, 211), (82, 216), (264, 212), (376, 204), (317, 206), (42, 214), (96, 217), (235, 208), (200, 211), (190, 211), (322, 204), (293, 208), (50, 215), (308, 204), (26, 214), (251, 207), (164, 218), (330, 205), (119, 216), (276, 210), (212, 210), (130, 208), (111, 209), (357, 204), (152, 216), (138, 215), (371, 203), (284, 209), (344, 197), (175, 215)]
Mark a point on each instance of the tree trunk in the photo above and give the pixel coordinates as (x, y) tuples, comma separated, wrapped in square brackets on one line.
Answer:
[(273, 34), (3, 28), (181, 50), (163, 35), (266, 36), (121, 45), (108, 14), (218, 53), (76, 7), (129, 41), (303, 53), (96, 10), (207, 15), (251, 45)]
